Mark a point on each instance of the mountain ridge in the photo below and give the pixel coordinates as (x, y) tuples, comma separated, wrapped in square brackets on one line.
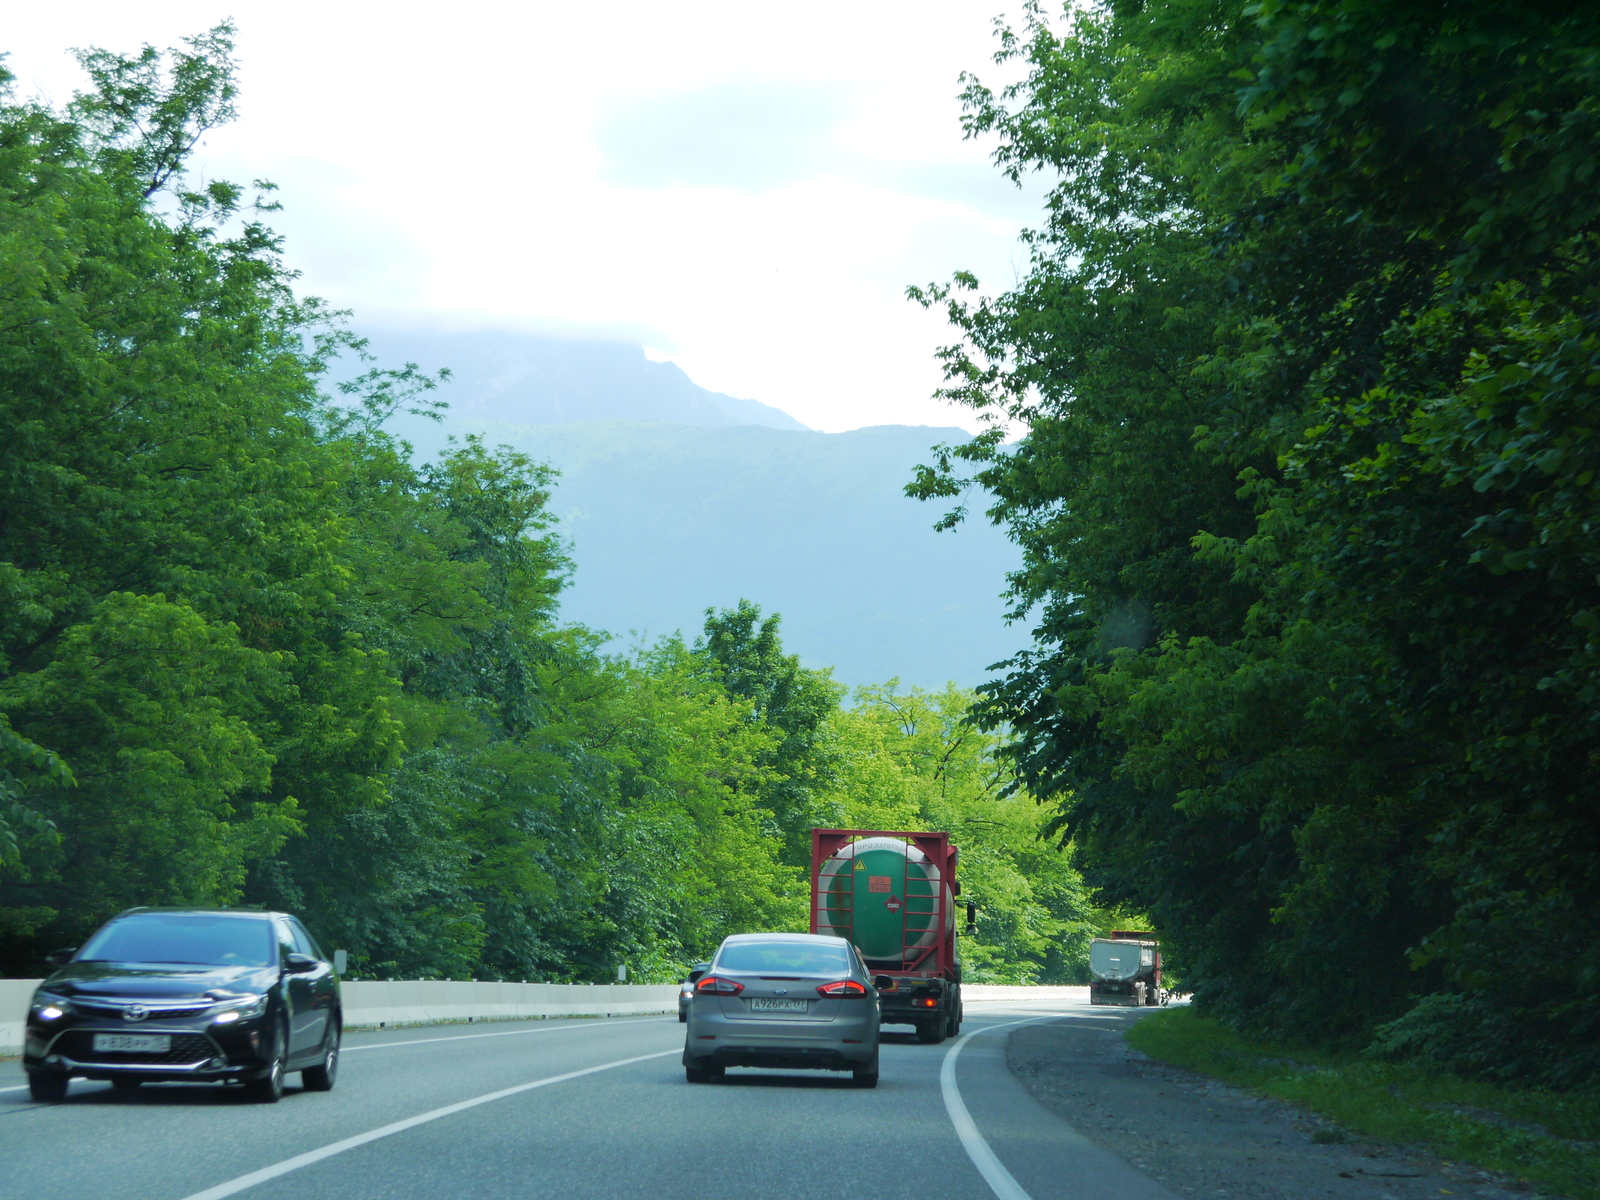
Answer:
[(532, 380), (667, 518)]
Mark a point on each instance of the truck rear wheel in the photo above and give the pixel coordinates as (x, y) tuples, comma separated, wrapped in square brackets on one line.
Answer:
[(931, 1032)]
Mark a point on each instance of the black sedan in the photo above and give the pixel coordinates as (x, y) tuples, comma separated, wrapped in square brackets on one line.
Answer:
[(191, 994)]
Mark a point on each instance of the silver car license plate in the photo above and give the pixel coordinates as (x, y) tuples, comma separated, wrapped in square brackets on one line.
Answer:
[(778, 1006), (140, 1043)]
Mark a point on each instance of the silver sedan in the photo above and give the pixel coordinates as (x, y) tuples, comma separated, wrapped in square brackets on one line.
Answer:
[(787, 1000)]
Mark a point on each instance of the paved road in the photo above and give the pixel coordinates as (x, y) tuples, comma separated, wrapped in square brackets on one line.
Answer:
[(570, 1110)]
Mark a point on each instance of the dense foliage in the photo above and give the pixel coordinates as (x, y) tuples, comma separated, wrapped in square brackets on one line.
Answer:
[(911, 760), (1307, 359), (252, 653)]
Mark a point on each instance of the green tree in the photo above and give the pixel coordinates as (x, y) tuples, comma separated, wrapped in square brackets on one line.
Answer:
[(1305, 356), (914, 760), (791, 701)]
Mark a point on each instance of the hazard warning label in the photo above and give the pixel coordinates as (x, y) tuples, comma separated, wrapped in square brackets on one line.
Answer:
[(880, 883)]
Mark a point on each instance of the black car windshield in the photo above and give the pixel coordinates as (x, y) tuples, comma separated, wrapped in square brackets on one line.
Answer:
[(201, 939), (784, 958)]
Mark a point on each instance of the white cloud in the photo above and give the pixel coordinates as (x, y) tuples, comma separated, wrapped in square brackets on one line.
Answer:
[(746, 189)]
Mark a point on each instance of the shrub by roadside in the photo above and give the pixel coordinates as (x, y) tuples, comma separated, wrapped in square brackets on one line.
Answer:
[(1549, 1139)]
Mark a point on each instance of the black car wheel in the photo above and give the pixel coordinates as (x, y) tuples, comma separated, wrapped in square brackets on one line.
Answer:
[(126, 1083), (704, 1074), (321, 1077), (269, 1088), (48, 1086)]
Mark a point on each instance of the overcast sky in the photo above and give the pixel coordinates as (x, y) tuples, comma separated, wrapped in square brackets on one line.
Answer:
[(745, 189)]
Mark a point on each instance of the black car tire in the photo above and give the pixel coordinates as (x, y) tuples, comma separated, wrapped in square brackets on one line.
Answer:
[(683, 1018), (126, 1083), (706, 1074), (48, 1087), (269, 1088), (867, 1076), (321, 1077)]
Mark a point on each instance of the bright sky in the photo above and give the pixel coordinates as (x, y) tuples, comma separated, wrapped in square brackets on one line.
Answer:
[(745, 189)]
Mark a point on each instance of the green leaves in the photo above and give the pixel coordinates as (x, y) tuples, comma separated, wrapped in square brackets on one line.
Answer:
[(916, 760), (1306, 357)]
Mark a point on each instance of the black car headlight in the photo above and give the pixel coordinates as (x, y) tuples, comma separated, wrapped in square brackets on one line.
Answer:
[(229, 1011)]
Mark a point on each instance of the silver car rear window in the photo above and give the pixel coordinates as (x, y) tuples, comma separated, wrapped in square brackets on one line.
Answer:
[(784, 958)]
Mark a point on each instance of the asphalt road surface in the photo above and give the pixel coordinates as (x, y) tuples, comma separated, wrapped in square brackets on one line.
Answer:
[(575, 1109)]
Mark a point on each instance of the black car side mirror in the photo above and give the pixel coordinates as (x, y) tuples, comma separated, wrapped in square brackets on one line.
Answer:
[(884, 983), (299, 964), (60, 958)]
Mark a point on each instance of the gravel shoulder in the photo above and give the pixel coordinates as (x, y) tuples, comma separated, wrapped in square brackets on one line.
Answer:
[(1201, 1137)]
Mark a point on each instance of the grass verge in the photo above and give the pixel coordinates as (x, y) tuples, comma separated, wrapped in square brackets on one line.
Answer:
[(1549, 1139)]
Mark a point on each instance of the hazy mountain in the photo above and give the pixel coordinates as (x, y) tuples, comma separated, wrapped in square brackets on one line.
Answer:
[(668, 519), (522, 379)]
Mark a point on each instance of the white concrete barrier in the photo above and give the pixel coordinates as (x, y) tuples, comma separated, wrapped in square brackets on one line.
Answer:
[(998, 991), (14, 997), (418, 1002), (401, 1002), (369, 1003)]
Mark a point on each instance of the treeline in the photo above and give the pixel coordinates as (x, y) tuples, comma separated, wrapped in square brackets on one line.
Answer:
[(1307, 358), (251, 653)]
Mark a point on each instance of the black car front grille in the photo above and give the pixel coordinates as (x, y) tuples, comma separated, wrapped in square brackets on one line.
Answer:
[(186, 1048), (115, 1008)]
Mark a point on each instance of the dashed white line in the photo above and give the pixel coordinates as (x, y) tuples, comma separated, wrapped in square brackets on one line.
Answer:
[(234, 1186), (459, 1037), (462, 1037)]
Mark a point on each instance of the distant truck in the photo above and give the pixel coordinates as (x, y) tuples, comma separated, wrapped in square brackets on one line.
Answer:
[(893, 894), (1125, 968)]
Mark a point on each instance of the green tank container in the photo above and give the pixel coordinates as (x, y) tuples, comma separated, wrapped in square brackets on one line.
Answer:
[(884, 896)]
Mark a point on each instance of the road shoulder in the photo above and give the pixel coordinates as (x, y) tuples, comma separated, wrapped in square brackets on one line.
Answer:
[(1203, 1138)]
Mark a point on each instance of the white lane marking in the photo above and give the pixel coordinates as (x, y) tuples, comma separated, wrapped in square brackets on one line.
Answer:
[(989, 1166), (462, 1037), (235, 1186)]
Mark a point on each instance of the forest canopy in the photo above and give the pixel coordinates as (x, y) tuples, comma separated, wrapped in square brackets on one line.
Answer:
[(1306, 355), (252, 653)]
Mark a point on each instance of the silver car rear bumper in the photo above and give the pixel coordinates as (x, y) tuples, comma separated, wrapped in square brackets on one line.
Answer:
[(841, 1043)]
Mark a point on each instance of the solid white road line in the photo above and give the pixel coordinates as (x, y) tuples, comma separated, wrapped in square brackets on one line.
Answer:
[(234, 1186), (463, 1037), (20, 1088), (989, 1166)]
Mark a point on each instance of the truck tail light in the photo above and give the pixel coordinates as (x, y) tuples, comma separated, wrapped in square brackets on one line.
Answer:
[(925, 1002), (710, 985), (845, 987)]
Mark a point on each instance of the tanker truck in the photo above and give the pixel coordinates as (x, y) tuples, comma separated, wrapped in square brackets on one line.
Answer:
[(893, 896), (1125, 968)]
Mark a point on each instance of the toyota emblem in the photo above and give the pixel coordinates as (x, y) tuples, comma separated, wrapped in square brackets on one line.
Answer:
[(135, 1012)]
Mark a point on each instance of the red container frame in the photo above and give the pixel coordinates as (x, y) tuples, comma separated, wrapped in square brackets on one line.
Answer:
[(825, 843)]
